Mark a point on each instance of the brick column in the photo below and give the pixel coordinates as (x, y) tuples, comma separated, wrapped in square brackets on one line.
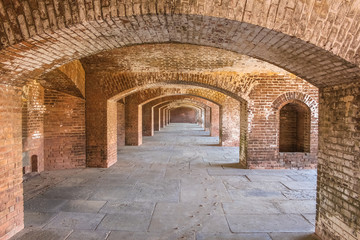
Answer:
[(166, 115), (156, 118), (162, 117), (339, 163), (147, 120), (230, 126), (133, 122), (120, 124), (11, 192), (207, 119)]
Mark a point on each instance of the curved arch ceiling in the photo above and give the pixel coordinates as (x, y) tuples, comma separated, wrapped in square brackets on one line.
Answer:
[(314, 63)]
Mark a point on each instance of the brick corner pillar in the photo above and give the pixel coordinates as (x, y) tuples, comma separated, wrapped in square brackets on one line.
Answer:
[(207, 119), (11, 192), (243, 134), (339, 163), (215, 121), (133, 122), (148, 120), (230, 127), (166, 114), (156, 125), (162, 116), (101, 127)]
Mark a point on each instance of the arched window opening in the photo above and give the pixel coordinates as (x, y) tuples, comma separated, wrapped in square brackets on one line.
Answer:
[(34, 163), (294, 128)]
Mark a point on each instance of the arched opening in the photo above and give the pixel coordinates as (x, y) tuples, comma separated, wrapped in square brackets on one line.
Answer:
[(294, 128), (34, 163)]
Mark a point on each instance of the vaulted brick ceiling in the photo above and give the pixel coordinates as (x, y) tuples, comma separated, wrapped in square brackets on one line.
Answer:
[(316, 40)]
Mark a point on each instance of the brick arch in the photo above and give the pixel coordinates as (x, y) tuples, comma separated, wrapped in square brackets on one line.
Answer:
[(31, 23), (305, 101), (212, 124), (119, 86), (134, 101), (28, 59), (292, 96)]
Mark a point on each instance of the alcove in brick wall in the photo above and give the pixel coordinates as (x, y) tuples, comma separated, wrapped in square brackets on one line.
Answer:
[(294, 128)]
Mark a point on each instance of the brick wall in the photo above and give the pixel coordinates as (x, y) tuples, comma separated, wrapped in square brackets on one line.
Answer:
[(11, 190), (338, 202), (33, 127), (64, 131), (267, 98), (183, 115)]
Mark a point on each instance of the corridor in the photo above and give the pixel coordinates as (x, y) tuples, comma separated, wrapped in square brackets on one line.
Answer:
[(178, 185)]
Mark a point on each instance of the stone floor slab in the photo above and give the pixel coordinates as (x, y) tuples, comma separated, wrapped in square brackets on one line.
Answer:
[(293, 236), (250, 206), (42, 234), (233, 236), (40, 204), (308, 185), (268, 178), (180, 216), (168, 191), (127, 222), (37, 219), (73, 193), (116, 235), (122, 192), (297, 206), (310, 217), (238, 195), (269, 223), (81, 221), (88, 235), (117, 207), (82, 206), (300, 194)]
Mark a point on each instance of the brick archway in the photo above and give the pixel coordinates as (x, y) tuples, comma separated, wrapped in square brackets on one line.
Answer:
[(304, 38), (299, 96)]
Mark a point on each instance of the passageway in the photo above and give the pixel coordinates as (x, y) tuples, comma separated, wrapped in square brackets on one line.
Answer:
[(177, 185)]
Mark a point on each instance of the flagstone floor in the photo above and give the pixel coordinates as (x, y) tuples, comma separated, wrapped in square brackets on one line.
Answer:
[(177, 185)]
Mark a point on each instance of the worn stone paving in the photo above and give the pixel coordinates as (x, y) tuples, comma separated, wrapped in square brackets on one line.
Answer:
[(177, 185)]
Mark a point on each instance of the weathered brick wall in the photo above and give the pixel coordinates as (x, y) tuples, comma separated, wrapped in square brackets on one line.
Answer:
[(270, 94), (183, 115), (64, 131), (11, 191), (33, 127), (338, 202)]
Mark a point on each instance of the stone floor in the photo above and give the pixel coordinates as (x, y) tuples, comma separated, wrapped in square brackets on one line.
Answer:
[(177, 185)]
